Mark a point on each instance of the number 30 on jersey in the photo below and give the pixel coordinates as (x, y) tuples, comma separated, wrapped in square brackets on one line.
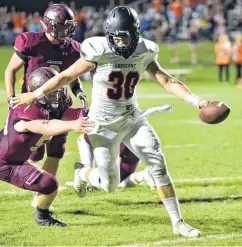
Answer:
[(123, 86)]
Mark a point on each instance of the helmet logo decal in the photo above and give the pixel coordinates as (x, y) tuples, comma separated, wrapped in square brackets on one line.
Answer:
[(35, 84)]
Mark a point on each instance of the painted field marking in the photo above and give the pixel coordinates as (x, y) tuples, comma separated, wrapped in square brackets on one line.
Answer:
[(187, 240)]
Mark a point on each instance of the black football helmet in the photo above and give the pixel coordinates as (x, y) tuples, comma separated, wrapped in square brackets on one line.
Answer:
[(59, 21), (123, 21), (53, 101)]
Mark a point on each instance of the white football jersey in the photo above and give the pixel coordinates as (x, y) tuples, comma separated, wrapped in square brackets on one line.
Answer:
[(115, 78)]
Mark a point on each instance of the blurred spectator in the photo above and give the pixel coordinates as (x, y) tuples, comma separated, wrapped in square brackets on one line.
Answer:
[(145, 23), (212, 16), (156, 4), (223, 52), (238, 23), (193, 4), (3, 21), (177, 9), (172, 43), (73, 6), (200, 9), (194, 38), (82, 26), (34, 25), (17, 22), (237, 57), (23, 20), (10, 31)]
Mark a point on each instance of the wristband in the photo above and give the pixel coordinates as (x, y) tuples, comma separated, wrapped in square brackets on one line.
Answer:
[(39, 93), (193, 100)]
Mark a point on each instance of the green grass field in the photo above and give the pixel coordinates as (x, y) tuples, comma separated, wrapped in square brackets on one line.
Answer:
[(205, 162)]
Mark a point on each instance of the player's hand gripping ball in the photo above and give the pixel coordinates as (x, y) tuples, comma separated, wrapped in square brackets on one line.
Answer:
[(214, 112)]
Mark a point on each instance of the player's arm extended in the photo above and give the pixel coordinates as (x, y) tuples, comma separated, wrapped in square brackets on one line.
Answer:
[(174, 86), (53, 127), (14, 65), (80, 67)]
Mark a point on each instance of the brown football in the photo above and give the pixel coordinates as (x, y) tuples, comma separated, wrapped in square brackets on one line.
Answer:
[(215, 112)]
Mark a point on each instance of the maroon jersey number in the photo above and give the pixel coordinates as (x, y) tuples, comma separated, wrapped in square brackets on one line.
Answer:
[(122, 85)]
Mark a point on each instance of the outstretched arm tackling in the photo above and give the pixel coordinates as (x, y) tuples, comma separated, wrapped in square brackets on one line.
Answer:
[(53, 127)]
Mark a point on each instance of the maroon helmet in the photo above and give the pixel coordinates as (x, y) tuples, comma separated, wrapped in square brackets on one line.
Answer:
[(59, 21), (53, 101)]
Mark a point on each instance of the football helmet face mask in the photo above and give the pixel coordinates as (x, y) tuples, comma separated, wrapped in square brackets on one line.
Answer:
[(59, 22), (53, 101), (122, 30)]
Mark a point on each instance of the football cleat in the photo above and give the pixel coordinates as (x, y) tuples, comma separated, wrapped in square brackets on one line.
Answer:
[(79, 186), (149, 179), (185, 230), (34, 203), (48, 220)]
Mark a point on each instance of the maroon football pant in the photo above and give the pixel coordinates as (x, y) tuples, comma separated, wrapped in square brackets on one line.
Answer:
[(55, 148), (28, 177), (128, 162)]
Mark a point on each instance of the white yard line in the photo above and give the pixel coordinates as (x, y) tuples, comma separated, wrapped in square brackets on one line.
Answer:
[(192, 145), (188, 240), (185, 240), (212, 179), (212, 237)]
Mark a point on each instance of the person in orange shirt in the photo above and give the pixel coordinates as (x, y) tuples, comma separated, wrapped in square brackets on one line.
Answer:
[(156, 4), (223, 51), (237, 57), (177, 10), (17, 21)]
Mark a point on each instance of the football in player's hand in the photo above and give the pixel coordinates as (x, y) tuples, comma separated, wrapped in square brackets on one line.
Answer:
[(215, 112)]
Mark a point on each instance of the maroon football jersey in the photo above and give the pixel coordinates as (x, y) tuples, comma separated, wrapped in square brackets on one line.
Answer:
[(37, 51), (15, 147), (72, 114)]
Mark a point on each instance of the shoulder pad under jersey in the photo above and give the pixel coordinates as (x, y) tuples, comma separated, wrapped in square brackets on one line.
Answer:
[(93, 48)]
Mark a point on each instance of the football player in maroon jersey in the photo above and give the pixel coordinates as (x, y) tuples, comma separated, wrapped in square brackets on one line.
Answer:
[(53, 48), (25, 132)]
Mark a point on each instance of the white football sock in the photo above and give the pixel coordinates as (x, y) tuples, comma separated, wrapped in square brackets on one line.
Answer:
[(93, 176), (127, 182), (173, 209), (132, 180), (86, 152), (139, 177)]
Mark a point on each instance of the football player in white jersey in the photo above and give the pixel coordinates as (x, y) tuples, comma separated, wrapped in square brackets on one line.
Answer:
[(118, 62)]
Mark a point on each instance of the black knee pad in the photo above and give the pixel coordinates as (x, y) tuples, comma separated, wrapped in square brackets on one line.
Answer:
[(47, 183)]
